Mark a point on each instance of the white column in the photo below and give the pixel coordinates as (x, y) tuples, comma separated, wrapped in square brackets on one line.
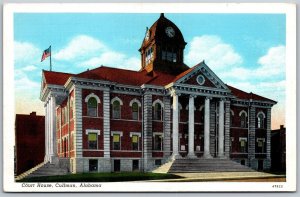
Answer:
[(191, 153), (206, 129), (48, 129), (53, 131), (221, 130), (175, 126), (46, 132)]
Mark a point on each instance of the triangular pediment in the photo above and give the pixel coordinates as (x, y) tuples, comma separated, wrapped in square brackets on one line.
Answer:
[(202, 75)]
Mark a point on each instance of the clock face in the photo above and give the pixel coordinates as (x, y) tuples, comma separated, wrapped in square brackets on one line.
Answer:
[(170, 32)]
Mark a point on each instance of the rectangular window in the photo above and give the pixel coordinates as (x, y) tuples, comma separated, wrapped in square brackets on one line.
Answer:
[(71, 108), (158, 142), (174, 57), (135, 142), (71, 142), (66, 114), (135, 111), (149, 55), (116, 142), (243, 146), (157, 162), (260, 145), (135, 165), (57, 121), (92, 138), (93, 165), (62, 116)]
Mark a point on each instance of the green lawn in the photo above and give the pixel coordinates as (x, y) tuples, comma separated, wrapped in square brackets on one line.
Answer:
[(102, 177)]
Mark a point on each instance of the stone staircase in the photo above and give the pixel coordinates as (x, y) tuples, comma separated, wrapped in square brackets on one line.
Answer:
[(46, 169), (164, 168), (207, 165), (49, 170)]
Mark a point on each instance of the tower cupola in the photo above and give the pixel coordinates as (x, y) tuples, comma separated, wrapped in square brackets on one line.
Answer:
[(163, 48)]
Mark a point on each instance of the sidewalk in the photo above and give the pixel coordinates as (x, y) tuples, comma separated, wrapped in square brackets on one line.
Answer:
[(223, 176)]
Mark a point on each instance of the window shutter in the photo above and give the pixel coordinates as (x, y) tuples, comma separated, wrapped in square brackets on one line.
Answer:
[(116, 138), (134, 138), (92, 137)]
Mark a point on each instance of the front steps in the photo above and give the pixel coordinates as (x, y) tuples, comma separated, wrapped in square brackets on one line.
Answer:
[(164, 168), (46, 169), (49, 170), (207, 165)]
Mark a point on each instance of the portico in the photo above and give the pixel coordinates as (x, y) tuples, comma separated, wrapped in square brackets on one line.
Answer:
[(191, 125)]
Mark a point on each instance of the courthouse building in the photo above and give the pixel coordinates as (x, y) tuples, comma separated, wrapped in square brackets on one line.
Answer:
[(109, 119)]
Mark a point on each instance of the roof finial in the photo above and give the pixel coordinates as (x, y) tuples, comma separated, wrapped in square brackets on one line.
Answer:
[(162, 15)]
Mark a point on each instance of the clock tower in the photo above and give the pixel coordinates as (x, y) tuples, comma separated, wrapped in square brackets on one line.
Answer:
[(163, 47)]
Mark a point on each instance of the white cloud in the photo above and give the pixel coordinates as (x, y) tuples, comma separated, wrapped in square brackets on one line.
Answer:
[(29, 68), (273, 63), (113, 59), (89, 52), (79, 47), (214, 51), (25, 51), (24, 83)]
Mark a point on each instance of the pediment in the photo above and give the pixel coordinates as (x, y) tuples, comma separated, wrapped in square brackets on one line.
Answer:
[(201, 75)]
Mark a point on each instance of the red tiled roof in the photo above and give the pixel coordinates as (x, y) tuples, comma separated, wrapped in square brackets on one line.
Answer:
[(117, 75), (56, 78), (244, 95), (136, 78), (161, 79), (185, 72)]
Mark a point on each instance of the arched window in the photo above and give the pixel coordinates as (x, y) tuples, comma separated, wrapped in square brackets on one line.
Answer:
[(92, 107), (135, 104), (92, 101), (135, 111), (116, 109), (243, 117), (157, 115), (260, 120), (71, 108)]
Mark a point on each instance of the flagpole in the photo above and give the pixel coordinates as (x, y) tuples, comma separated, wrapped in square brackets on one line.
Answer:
[(50, 60)]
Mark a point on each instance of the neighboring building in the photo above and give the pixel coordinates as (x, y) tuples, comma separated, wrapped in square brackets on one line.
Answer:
[(29, 141), (110, 119), (278, 149)]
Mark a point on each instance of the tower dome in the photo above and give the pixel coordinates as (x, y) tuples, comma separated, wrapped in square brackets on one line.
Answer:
[(162, 47)]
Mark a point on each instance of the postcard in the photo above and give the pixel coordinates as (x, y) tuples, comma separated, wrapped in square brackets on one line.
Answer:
[(149, 97)]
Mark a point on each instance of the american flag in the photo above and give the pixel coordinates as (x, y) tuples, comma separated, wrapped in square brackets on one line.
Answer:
[(46, 54)]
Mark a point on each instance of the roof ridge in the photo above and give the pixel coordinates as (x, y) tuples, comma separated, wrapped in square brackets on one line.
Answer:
[(182, 74), (57, 72)]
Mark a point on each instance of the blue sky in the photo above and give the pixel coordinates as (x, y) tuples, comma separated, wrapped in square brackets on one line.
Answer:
[(244, 50)]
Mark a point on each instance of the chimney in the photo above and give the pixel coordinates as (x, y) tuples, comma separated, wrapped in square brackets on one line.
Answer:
[(33, 113), (281, 126)]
